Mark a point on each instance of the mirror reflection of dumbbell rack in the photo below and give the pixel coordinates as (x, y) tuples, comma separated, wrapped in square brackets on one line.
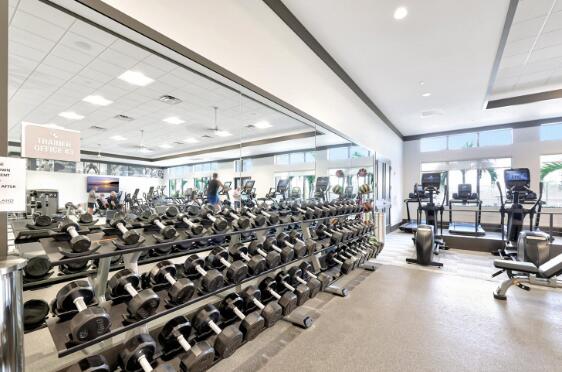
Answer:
[(131, 260), (173, 356)]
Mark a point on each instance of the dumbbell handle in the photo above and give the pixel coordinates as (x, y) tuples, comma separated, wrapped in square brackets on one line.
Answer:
[(187, 221), (300, 210), (289, 244), (274, 294), (288, 286), (214, 327), (258, 303), (159, 224), (225, 262), (251, 215), (80, 304), (71, 230), (183, 343), (297, 240), (234, 215), (244, 256), (131, 290), (261, 252), (329, 235), (170, 278), (238, 313), (200, 270), (337, 261), (144, 363), (275, 248), (299, 279), (311, 274), (211, 217), (121, 228), (266, 214)]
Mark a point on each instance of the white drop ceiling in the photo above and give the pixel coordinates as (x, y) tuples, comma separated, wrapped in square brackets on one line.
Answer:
[(532, 59), (56, 60), (451, 47)]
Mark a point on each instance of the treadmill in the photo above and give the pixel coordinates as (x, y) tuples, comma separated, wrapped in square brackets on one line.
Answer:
[(464, 196), (321, 189), (411, 225), (282, 188)]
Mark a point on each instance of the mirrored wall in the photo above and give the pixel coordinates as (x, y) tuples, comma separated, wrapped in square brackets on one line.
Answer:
[(155, 120)]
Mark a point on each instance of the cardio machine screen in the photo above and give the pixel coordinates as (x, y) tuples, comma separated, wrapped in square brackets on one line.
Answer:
[(249, 185), (282, 186), (322, 183), (465, 189), (431, 180), (517, 178)]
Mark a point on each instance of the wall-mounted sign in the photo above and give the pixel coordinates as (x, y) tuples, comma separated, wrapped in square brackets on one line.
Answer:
[(12, 184), (46, 142)]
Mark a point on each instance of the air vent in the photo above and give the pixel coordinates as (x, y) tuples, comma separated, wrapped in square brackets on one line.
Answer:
[(124, 117), (171, 100), (206, 136), (99, 129), (430, 113), (178, 143)]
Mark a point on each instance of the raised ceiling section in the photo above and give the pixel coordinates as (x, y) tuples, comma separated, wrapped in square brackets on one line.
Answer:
[(532, 58), (57, 61)]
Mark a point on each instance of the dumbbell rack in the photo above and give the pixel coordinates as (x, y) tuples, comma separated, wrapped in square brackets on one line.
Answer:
[(70, 354)]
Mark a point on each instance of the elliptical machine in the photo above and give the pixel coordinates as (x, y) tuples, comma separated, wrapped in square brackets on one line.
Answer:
[(516, 240), (425, 240)]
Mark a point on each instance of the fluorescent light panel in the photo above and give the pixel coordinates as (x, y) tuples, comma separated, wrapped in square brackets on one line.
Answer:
[(71, 115), (223, 133), (118, 138), (191, 140), (165, 146), (262, 125), (173, 120), (400, 13), (97, 100), (136, 78)]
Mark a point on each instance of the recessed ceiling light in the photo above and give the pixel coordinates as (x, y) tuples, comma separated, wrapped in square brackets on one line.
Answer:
[(124, 117), (191, 140), (400, 13), (223, 133), (97, 100), (83, 45), (145, 150), (165, 146), (71, 115), (118, 138), (426, 94), (173, 120), (262, 125), (166, 98), (53, 126), (422, 83), (135, 78)]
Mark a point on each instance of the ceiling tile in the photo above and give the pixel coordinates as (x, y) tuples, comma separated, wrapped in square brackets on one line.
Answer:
[(524, 30), (92, 33), (554, 22), (530, 9), (32, 23)]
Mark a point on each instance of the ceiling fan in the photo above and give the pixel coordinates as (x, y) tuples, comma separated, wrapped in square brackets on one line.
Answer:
[(216, 130)]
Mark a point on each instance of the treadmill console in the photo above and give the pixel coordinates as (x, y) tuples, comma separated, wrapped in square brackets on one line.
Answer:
[(431, 181), (464, 192), (282, 186), (322, 184), (418, 193), (248, 186), (517, 179)]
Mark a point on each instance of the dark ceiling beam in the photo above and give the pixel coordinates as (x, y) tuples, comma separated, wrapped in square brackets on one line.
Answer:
[(298, 28), (524, 99)]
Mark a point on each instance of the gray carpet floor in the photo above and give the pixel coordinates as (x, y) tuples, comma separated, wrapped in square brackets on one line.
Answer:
[(404, 317)]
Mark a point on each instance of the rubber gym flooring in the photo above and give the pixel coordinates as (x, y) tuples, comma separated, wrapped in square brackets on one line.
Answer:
[(404, 317)]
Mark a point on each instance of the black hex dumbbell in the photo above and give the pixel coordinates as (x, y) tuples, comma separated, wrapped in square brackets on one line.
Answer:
[(272, 258), (138, 354), (90, 322), (298, 246), (252, 324), (238, 222), (142, 304), (78, 243), (272, 217), (130, 237), (296, 277), (323, 278), (288, 300), (94, 363), (257, 220), (287, 253), (311, 245), (228, 339), (194, 228), (167, 231), (272, 312), (335, 237), (235, 271), (211, 280), (175, 332), (256, 263), (180, 290), (346, 264), (301, 290), (219, 224), (306, 214)]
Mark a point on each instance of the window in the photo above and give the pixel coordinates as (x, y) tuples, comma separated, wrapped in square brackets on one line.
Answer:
[(309, 157), (551, 132), (551, 176), (246, 165), (338, 153), (497, 137), (296, 157), (462, 141), (304, 181), (358, 152), (282, 159), (433, 144)]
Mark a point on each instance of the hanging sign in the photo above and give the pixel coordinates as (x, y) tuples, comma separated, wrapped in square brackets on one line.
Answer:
[(49, 142)]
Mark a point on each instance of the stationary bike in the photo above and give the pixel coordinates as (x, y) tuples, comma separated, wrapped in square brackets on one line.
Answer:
[(426, 242)]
